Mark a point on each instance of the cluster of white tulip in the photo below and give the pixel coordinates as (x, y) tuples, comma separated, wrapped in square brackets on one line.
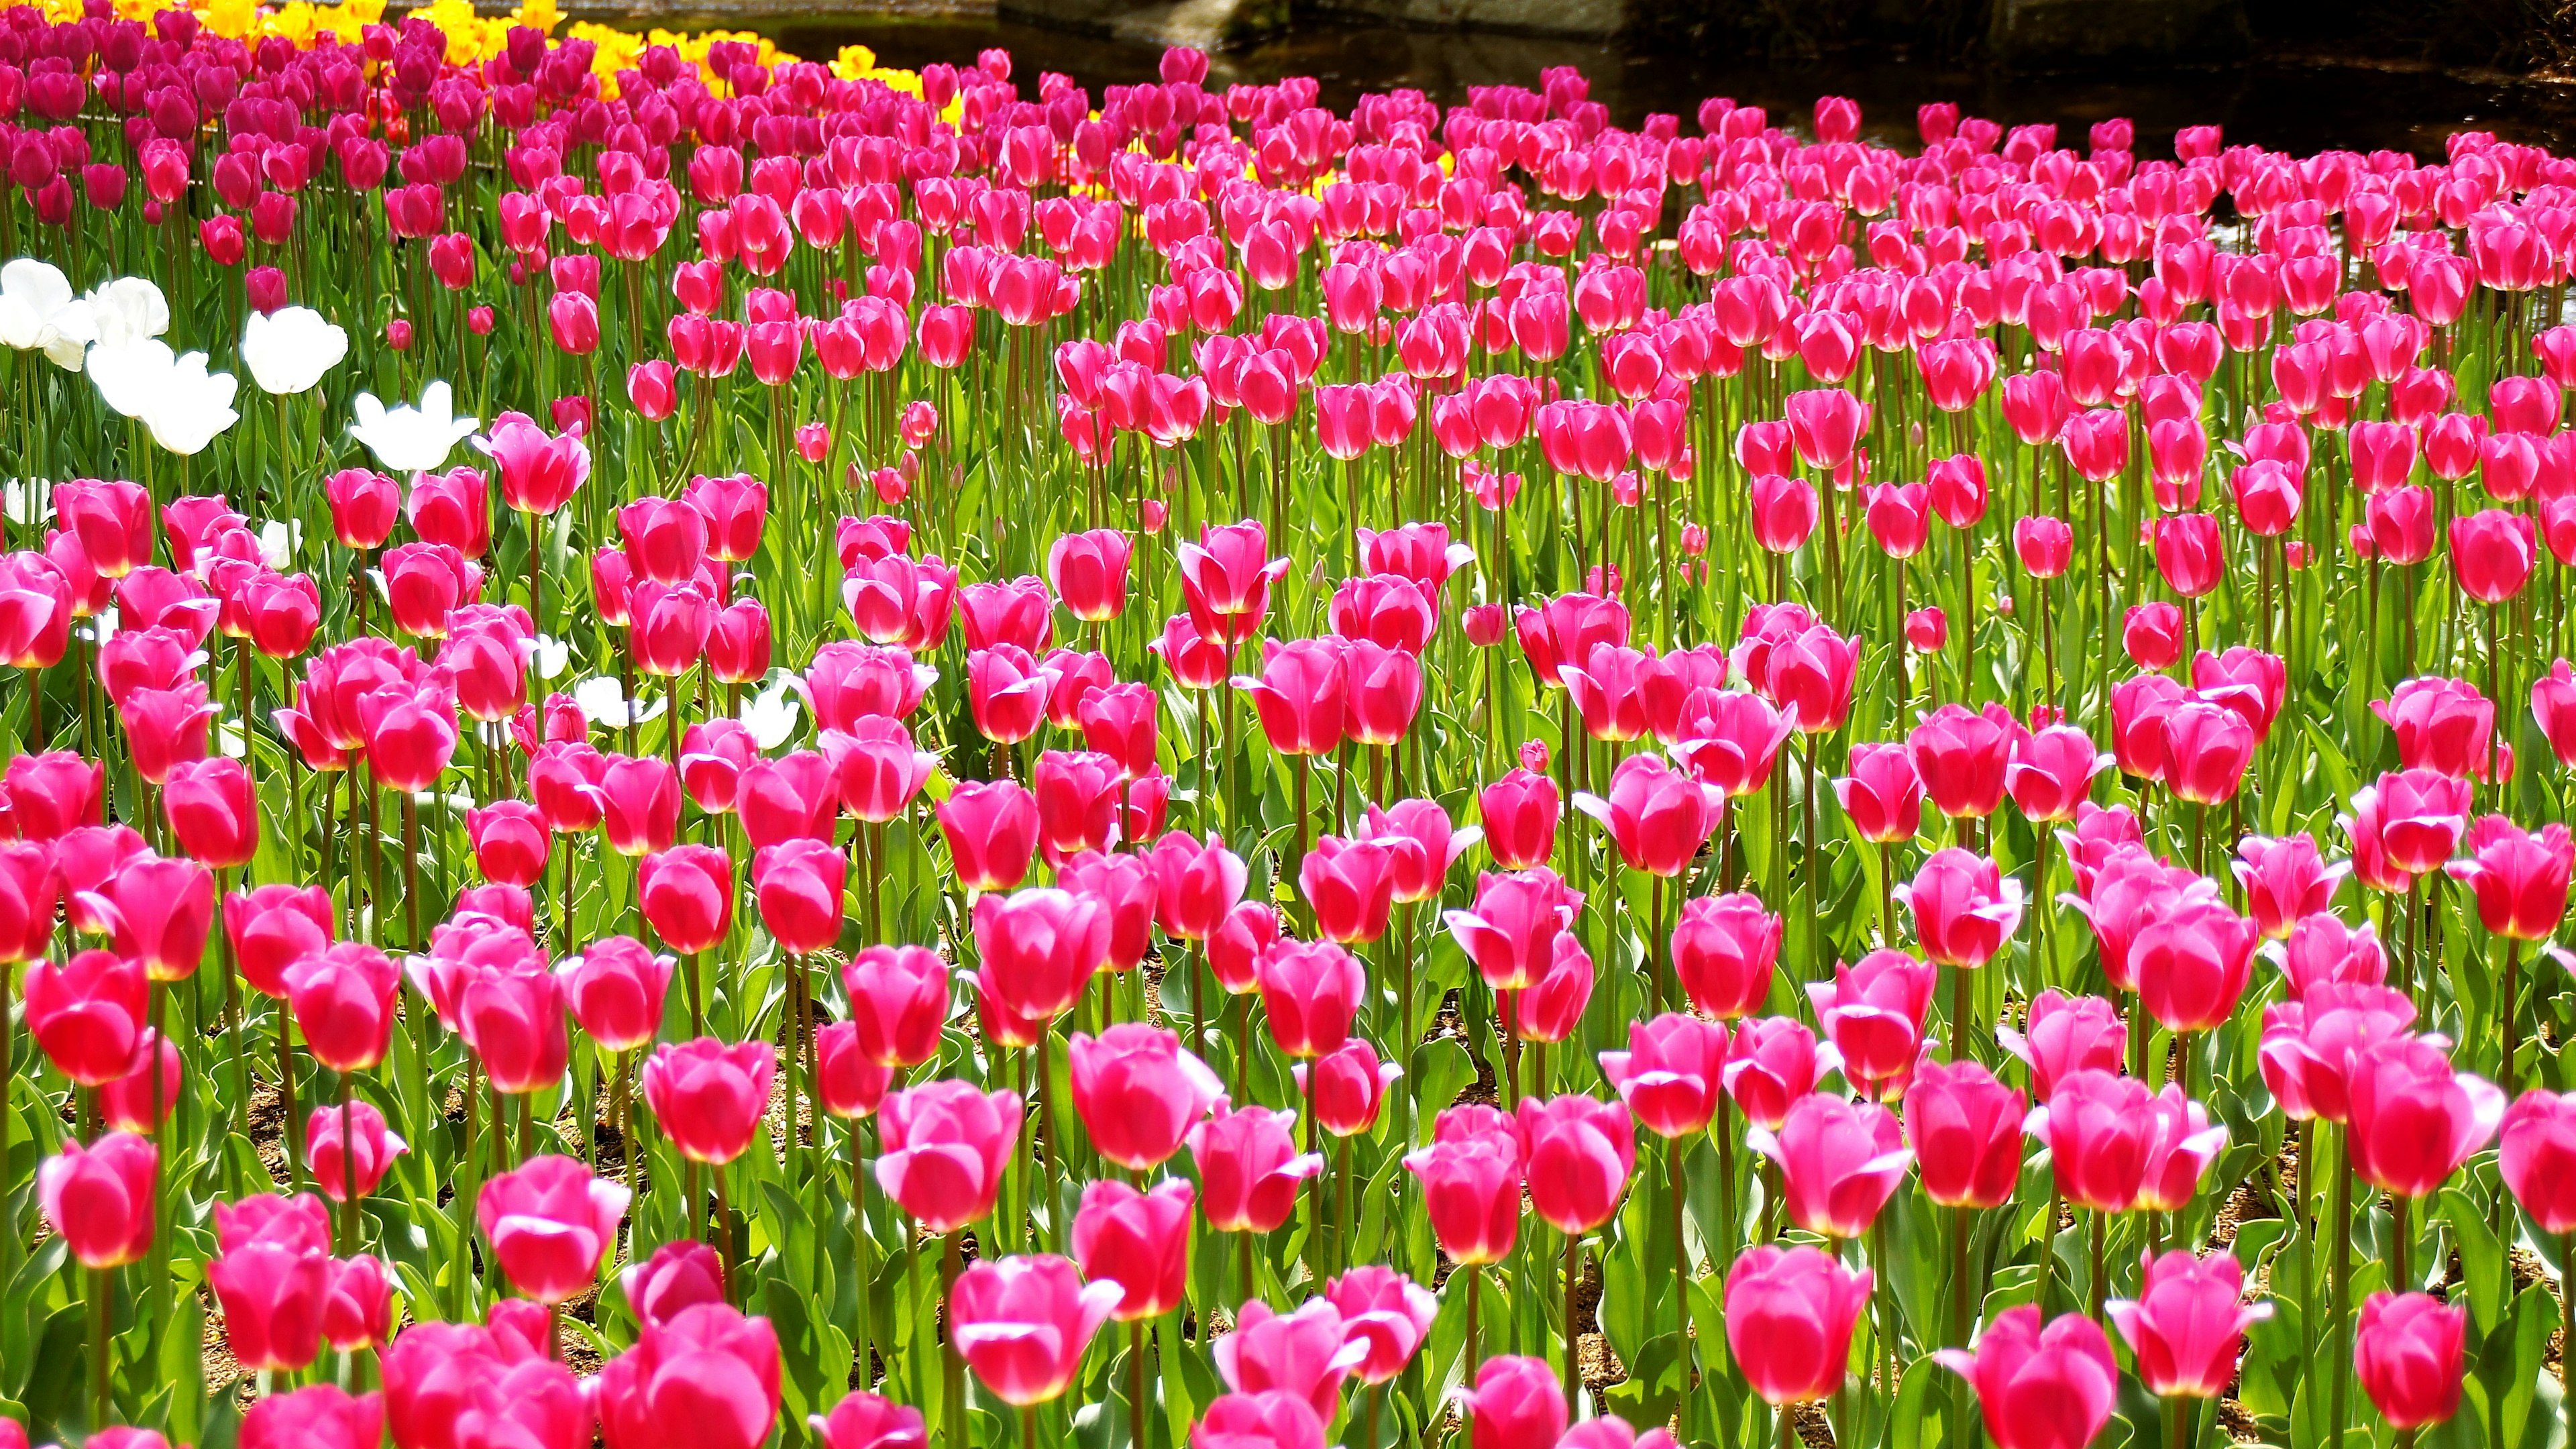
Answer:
[(114, 335)]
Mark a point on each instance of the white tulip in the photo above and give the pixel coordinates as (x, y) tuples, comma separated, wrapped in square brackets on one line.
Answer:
[(130, 372), (37, 310), (278, 541), (129, 309), (192, 406), (409, 439), (603, 702), (771, 715), (289, 350), (552, 655)]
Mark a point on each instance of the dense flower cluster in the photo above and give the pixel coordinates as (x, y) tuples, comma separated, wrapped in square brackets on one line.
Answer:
[(1115, 746)]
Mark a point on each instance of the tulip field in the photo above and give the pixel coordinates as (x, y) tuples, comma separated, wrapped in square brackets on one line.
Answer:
[(709, 750)]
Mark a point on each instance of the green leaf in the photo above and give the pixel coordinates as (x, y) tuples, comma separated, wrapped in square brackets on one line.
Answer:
[(2482, 1259)]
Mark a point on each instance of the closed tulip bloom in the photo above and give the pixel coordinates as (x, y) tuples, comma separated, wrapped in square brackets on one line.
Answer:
[(1962, 756), (1882, 795), (709, 1097), (2406, 825), (1965, 908), (2415, 1119), (863, 1420), (1520, 813), (1310, 990), (358, 1306), (1965, 1128), (1077, 798), (1874, 1011), (2186, 1326), (2409, 1354), (794, 797), (2152, 635), (1511, 931), (1138, 1240), (2537, 1154), (2520, 877), (272, 1297), (679, 1276), (2192, 965), (687, 895), (992, 833), (1022, 1324), (707, 1374), (271, 927), (1726, 950), (2440, 724), (615, 989), (943, 1148), (1195, 884), (898, 1000), (2040, 1387), (1657, 816), (1249, 1168), (2493, 553), (514, 1021), (1120, 721), (52, 793), (324, 1416), (549, 1223), (1350, 886), (354, 1161), (1789, 1317), (1672, 1073), (2062, 1035), (156, 912), (847, 1083), (877, 767), (1301, 696), (1007, 690), (2094, 1126), (1307, 1353), (1138, 1092), (1040, 948), (1839, 1162), (1089, 571), (510, 842), (2285, 881), (1421, 843), (2052, 773), (343, 999), (1346, 1086), (1577, 1153), (1771, 1064), (798, 885), (88, 1015), (213, 812), (99, 1199), (1515, 1404)]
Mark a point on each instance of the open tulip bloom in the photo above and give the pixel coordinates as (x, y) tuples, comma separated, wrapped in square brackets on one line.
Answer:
[(1071, 745)]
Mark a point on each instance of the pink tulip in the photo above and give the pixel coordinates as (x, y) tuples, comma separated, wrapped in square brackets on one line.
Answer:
[(1789, 1318), (1839, 1162), (1307, 1353), (1137, 1240), (2186, 1326), (549, 1223), (1138, 1092), (1022, 1324), (943, 1147), (2040, 1387)]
